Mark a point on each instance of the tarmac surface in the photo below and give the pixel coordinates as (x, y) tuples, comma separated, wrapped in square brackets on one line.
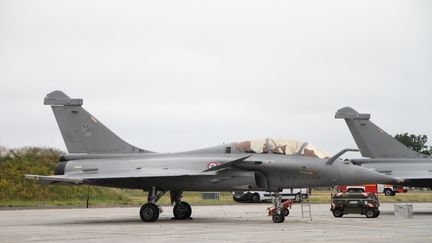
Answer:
[(234, 223)]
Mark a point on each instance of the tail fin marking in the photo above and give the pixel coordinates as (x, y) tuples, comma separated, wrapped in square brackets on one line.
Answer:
[(373, 141), (81, 132)]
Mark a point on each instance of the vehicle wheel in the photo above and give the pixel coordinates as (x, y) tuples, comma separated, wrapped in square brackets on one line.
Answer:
[(278, 218), (182, 210), (388, 192), (337, 213), (377, 213), (149, 212), (286, 212), (370, 213), (255, 198)]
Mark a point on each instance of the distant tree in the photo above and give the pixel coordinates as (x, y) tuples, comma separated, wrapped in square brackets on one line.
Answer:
[(15, 163), (415, 142)]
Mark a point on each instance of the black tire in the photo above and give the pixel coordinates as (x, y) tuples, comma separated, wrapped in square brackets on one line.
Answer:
[(236, 199), (278, 218), (285, 212), (149, 212), (337, 213), (370, 213), (377, 213), (255, 198), (182, 210), (388, 192)]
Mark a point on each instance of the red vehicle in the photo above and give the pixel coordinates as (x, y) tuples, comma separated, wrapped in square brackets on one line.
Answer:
[(388, 190)]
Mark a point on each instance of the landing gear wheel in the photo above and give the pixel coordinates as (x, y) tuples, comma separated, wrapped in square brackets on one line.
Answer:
[(286, 211), (278, 210), (255, 198), (182, 210), (149, 212), (278, 217), (370, 213), (337, 213)]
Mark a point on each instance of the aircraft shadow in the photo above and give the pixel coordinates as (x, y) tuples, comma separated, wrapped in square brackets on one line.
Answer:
[(166, 221), (205, 220)]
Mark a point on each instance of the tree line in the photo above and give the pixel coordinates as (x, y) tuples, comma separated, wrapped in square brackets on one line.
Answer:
[(415, 142), (15, 163)]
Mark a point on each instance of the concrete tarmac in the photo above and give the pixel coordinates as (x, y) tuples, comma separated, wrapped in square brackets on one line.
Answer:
[(234, 223)]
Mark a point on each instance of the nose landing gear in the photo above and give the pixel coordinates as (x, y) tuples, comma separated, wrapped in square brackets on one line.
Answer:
[(278, 211)]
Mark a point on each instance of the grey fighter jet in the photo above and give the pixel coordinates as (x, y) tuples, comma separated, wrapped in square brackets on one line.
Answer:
[(99, 157), (387, 155)]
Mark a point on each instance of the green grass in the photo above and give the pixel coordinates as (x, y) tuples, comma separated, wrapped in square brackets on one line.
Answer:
[(128, 197)]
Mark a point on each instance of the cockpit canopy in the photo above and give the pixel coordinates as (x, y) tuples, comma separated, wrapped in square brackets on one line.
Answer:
[(281, 146)]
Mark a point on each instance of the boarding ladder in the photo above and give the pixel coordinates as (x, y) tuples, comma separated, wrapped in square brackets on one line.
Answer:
[(306, 210)]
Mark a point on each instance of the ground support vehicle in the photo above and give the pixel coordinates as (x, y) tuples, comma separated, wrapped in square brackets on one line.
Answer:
[(364, 203)]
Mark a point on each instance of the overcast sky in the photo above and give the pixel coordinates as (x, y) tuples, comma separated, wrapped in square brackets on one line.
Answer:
[(178, 75)]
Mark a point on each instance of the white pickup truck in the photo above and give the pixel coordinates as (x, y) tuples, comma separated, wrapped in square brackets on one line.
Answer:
[(260, 196)]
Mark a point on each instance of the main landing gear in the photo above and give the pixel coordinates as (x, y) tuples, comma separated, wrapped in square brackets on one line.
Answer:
[(150, 211), (181, 210)]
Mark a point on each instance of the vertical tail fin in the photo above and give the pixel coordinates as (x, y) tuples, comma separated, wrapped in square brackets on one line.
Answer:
[(81, 132), (372, 141)]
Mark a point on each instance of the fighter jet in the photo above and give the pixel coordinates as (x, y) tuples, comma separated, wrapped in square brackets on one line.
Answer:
[(387, 155), (99, 157)]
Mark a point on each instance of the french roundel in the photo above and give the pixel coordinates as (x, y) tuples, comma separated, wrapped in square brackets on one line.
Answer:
[(212, 164)]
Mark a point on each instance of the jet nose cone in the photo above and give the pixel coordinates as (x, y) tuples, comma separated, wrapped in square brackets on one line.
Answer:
[(356, 175)]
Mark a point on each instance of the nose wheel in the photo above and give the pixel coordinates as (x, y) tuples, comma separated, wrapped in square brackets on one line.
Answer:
[(278, 211), (278, 218)]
